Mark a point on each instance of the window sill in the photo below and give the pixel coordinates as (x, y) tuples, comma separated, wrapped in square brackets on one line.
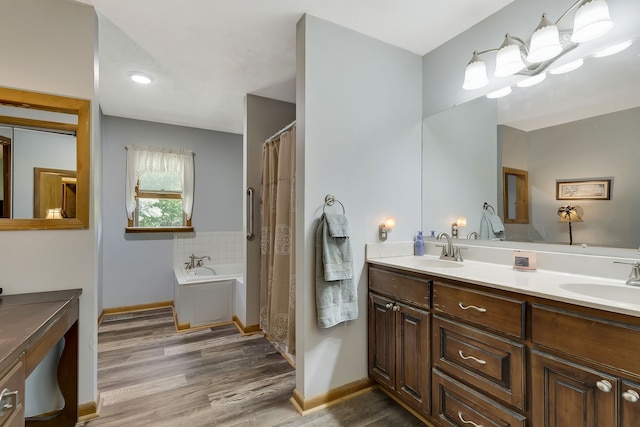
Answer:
[(158, 229)]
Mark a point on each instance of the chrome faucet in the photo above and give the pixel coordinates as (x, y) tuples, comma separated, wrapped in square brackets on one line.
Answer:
[(447, 251), (634, 276), (474, 235), (195, 261)]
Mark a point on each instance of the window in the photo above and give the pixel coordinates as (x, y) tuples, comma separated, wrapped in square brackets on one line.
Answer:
[(159, 189)]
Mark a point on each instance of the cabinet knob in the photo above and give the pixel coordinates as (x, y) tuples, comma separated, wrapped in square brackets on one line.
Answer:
[(631, 396), (604, 385), (389, 305), (396, 308), (466, 421)]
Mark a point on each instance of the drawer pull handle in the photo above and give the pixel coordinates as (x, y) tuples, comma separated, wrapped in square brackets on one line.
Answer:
[(604, 385), (631, 396), (5, 395), (467, 307), (475, 359), (467, 422)]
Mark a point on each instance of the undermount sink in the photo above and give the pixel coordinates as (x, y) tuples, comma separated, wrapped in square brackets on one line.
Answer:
[(618, 293), (434, 263)]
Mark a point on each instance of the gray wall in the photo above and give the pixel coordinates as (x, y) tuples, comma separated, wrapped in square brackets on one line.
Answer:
[(358, 107), (263, 118), (138, 268), (459, 168), (603, 146)]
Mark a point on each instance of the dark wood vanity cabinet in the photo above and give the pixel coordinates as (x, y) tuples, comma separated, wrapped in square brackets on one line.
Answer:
[(499, 358), (399, 335)]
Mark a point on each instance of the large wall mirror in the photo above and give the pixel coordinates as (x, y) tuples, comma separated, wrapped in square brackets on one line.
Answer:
[(581, 126), (45, 177)]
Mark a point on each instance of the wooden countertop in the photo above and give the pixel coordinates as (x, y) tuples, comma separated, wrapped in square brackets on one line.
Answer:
[(25, 318)]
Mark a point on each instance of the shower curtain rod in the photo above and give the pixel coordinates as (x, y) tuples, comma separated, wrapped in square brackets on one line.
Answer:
[(284, 129)]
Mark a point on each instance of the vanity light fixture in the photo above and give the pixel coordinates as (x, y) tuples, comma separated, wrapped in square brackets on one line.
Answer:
[(532, 80), (570, 213), (500, 93), (460, 223), (613, 49), (567, 68), (385, 228), (547, 44), (140, 77)]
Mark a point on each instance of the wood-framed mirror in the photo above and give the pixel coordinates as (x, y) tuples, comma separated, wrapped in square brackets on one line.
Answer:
[(38, 103)]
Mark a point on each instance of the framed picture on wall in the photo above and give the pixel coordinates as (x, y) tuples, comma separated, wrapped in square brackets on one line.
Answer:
[(586, 189)]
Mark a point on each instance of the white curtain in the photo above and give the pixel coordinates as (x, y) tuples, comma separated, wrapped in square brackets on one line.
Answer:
[(158, 159)]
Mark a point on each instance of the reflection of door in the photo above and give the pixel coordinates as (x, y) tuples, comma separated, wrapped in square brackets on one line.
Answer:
[(6, 177), (54, 189)]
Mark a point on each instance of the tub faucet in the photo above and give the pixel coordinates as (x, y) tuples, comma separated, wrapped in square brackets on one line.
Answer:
[(195, 261)]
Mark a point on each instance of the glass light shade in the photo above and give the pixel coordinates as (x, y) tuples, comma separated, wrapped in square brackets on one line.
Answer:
[(568, 67), (461, 222), (591, 21), (545, 42), (475, 76), (532, 80), (613, 49), (500, 93), (390, 222), (508, 59)]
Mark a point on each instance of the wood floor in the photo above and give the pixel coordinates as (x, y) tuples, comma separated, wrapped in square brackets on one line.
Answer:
[(150, 375)]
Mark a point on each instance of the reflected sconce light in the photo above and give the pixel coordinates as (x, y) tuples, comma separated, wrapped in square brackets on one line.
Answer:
[(570, 214), (55, 213), (548, 43), (461, 222), (385, 228)]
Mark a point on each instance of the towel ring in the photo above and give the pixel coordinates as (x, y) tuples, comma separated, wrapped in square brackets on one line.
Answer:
[(330, 200), (487, 206)]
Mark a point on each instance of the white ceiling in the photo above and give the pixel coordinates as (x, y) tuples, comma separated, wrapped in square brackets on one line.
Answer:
[(206, 55)]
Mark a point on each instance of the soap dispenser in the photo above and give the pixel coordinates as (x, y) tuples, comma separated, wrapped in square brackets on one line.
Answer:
[(418, 245)]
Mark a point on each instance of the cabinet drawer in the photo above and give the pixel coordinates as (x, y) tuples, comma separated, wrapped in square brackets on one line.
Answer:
[(400, 287), (11, 406), (457, 405), (496, 312), (593, 338), (490, 363)]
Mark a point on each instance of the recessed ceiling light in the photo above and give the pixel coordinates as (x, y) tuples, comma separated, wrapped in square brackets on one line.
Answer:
[(532, 80), (141, 78), (612, 49), (568, 67), (500, 93)]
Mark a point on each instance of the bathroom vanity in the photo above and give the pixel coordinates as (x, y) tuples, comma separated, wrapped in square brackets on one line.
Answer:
[(30, 326), (479, 344)]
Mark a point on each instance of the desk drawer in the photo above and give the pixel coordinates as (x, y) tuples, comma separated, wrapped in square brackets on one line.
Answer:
[(11, 405), (457, 405), (605, 341), (488, 362), (499, 313), (400, 287)]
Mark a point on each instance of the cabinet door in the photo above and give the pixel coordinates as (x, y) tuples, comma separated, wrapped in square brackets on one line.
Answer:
[(630, 404), (412, 356), (570, 395), (382, 355)]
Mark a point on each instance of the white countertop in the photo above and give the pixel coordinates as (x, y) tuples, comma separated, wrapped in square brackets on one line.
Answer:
[(616, 296)]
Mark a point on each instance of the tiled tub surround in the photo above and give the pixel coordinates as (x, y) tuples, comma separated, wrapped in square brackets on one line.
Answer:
[(224, 247), (483, 344), (491, 267)]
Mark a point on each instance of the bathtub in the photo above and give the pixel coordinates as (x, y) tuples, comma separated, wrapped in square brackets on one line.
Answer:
[(204, 295)]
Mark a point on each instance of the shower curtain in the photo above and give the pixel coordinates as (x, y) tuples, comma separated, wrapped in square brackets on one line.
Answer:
[(277, 248)]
